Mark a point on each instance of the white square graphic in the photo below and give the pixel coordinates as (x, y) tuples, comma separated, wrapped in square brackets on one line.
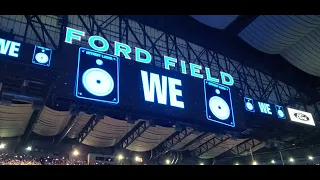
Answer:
[(301, 116)]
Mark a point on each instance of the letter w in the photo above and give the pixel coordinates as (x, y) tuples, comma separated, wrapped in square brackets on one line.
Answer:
[(154, 85), (4, 46), (263, 107)]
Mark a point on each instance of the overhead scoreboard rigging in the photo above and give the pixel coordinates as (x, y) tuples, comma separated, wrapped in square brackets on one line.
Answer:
[(110, 79)]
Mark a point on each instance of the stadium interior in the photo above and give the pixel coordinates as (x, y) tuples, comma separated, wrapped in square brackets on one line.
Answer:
[(274, 59)]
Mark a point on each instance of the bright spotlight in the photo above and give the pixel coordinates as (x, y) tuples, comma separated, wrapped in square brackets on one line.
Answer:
[(167, 161), (236, 164), (201, 163), (291, 159), (120, 157), (273, 161), (254, 163), (75, 152), (310, 158), (29, 148), (2, 146), (138, 159)]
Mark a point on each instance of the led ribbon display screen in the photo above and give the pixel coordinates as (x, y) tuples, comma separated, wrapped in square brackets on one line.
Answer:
[(145, 89), (90, 74), (264, 109), (25, 53)]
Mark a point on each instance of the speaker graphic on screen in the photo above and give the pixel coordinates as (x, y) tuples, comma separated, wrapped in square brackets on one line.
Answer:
[(97, 76), (280, 112), (248, 104), (218, 103), (42, 56)]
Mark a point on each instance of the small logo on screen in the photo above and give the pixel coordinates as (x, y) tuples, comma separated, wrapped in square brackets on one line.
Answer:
[(301, 116)]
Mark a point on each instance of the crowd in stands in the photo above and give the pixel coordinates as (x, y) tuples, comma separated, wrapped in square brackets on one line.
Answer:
[(11, 159)]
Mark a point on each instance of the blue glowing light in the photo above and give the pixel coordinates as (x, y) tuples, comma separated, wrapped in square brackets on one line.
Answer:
[(280, 112), (9, 48), (249, 105), (218, 104), (265, 108), (97, 81), (42, 56)]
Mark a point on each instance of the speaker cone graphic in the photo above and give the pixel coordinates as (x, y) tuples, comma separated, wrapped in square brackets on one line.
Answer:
[(41, 58), (249, 106), (97, 76), (219, 107), (98, 82), (248, 103), (218, 103), (280, 113)]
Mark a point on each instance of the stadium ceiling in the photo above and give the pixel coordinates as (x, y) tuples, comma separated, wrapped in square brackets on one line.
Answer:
[(285, 47), (295, 37)]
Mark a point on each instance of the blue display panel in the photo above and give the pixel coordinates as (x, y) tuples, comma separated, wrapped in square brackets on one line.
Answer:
[(97, 76), (249, 105), (156, 93), (265, 109), (42, 56), (280, 112), (218, 103)]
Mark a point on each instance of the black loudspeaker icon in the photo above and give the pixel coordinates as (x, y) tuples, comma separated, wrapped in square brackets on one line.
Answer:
[(97, 76), (218, 103), (42, 56), (280, 112), (248, 104)]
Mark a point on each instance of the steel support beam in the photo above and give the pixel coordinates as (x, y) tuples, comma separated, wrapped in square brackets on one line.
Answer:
[(240, 23), (93, 121), (171, 141), (38, 107), (197, 139), (245, 146), (33, 119), (63, 21), (133, 134), (43, 28), (207, 146), (29, 22), (71, 122), (99, 29), (240, 149)]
